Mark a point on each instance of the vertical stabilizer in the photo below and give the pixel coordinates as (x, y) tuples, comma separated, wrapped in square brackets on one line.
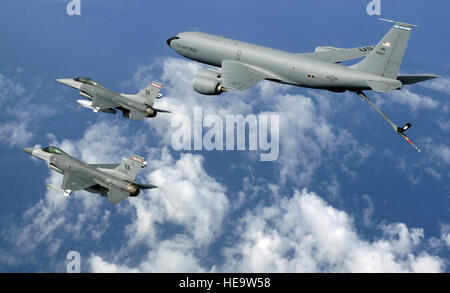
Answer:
[(129, 168), (386, 57), (151, 92)]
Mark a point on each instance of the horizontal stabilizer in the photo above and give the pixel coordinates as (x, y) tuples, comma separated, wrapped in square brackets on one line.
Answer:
[(145, 186), (415, 78), (162, 111), (384, 86), (336, 55), (136, 115), (115, 196)]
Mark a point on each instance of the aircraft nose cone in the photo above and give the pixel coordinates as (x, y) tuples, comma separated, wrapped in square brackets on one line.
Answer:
[(170, 40), (28, 150), (69, 82), (63, 80)]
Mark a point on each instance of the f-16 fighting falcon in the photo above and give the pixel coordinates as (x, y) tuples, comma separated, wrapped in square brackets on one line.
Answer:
[(115, 181), (244, 64), (102, 99)]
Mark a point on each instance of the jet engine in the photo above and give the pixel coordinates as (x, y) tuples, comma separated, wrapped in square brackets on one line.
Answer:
[(132, 189), (207, 82), (151, 112)]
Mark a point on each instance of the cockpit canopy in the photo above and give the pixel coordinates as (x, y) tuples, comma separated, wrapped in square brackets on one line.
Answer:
[(54, 150), (87, 80)]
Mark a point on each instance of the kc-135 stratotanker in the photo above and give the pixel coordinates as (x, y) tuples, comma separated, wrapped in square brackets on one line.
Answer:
[(244, 64)]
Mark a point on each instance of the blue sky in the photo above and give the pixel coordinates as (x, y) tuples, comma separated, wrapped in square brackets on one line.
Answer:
[(354, 197)]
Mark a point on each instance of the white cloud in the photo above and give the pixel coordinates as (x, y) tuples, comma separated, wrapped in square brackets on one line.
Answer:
[(302, 233), (445, 234), (412, 100), (169, 256), (305, 234), (432, 172), (308, 139), (439, 152), (186, 196), (20, 113), (10, 90), (15, 134), (440, 84), (368, 212), (99, 265), (12, 133)]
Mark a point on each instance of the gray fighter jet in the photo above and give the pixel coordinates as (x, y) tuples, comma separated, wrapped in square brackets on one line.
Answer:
[(115, 181), (244, 64), (102, 99)]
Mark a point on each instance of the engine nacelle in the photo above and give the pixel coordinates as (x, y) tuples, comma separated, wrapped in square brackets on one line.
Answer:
[(151, 112), (132, 189), (207, 82)]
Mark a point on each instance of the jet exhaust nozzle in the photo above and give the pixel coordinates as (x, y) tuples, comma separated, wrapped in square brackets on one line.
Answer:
[(132, 189), (151, 112)]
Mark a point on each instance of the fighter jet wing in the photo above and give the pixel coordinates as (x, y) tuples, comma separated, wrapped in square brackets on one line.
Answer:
[(115, 196), (73, 182), (100, 104), (335, 55), (240, 76)]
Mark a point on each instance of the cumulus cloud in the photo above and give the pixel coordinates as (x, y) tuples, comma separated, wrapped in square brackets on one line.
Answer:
[(412, 100), (308, 139), (13, 134), (302, 233), (439, 152), (187, 198), (305, 234), (441, 84), (445, 234), (368, 212), (19, 111), (9, 89)]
